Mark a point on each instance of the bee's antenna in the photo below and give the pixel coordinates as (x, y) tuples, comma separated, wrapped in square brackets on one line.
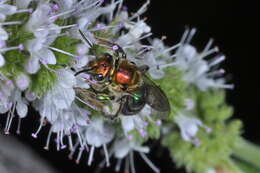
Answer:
[(82, 71), (85, 38)]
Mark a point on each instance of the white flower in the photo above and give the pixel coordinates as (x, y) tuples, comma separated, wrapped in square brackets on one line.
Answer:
[(60, 97), (124, 146), (10, 100), (189, 127), (98, 133), (5, 10), (39, 21), (137, 122), (21, 104), (197, 70), (22, 81), (159, 58), (6, 90), (40, 53), (189, 103), (45, 32), (134, 34)]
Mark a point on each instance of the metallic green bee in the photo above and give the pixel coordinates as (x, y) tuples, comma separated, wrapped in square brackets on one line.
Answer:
[(119, 86)]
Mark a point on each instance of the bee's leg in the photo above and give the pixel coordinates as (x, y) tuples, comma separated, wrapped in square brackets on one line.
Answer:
[(103, 97)]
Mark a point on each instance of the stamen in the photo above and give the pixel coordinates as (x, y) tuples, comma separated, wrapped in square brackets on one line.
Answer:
[(209, 44), (209, 52), (118, 165), (170, 49), (140, 11), (70, 143), (217, 60), (11, 23), (19, 126), (48, 140), (90, 158), (106, 155), (61, 14), (217, 73), (167, 65), (79, 155), (143, 133), (132, 164), (79, 137), (9, 119), (62, 51), (158, 123), (143, 37), (130, 137), (93, 5), (119, 7), (112, 11), (73, 150), (29, 10), (7, 122), (9, 125), (19, 47), (225, 86), (191, 34), (55, 7), (34, 135), (58, 28), (196, 142), (58, 141), (149, 163), (126, 165), (63, 146)]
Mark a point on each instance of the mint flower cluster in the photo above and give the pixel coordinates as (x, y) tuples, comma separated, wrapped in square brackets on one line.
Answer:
[(41, 49)]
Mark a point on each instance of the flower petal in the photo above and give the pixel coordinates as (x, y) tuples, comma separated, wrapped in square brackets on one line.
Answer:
[(2, 61), (3, 34), (21, 109), (32, 65), (48, 56)]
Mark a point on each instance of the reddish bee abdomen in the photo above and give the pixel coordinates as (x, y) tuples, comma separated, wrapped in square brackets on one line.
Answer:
[(123, 76)]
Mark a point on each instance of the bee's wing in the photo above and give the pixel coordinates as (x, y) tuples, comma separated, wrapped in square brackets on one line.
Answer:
[(155, 97), (132, 106), (87, 97)]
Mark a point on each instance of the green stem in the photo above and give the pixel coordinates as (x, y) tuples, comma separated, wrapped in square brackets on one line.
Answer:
[(248, 152)]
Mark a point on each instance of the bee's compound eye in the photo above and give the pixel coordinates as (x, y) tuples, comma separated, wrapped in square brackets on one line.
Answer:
[(99, 77)]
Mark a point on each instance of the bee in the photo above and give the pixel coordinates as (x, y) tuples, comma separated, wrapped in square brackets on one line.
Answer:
[(119, 86)]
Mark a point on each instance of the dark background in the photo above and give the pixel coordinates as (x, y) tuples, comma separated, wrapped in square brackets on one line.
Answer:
[(234, 24)]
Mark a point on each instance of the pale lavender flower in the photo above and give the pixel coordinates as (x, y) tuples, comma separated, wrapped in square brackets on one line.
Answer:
[(197, 70), (22, 81), (189, 127)]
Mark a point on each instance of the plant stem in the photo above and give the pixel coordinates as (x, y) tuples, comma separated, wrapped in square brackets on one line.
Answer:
[(248, 152)]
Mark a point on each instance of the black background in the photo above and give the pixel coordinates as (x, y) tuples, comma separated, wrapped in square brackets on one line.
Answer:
[(234, 24)]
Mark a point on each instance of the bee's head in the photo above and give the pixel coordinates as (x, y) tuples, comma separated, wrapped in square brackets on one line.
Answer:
[(101, 67)]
